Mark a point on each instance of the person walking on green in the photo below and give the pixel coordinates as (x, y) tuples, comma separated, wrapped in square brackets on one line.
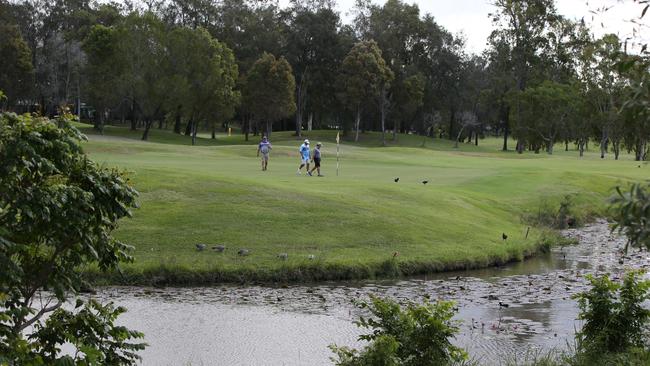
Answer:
[(304, 157), (265, 149), (315, 157)]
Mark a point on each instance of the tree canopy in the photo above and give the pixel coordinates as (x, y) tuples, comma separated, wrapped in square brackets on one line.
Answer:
[(114, 62)]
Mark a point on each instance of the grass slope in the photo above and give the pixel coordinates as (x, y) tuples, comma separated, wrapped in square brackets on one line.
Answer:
[(216, 194)]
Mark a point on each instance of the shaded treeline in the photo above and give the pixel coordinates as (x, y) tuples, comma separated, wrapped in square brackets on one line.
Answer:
[(203, 64)]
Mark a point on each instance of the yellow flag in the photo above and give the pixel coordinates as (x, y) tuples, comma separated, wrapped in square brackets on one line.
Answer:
[(337, 137)]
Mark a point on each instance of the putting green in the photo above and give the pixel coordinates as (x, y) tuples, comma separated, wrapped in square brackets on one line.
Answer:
[(354, 223)]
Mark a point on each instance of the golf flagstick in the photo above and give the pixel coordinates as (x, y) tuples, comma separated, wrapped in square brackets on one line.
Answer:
[(337, 153)]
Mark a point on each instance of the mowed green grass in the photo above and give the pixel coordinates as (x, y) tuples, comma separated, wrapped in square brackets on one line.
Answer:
[(352, 223)]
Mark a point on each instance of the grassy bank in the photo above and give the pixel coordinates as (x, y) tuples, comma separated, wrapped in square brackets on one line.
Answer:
[(353, 224)]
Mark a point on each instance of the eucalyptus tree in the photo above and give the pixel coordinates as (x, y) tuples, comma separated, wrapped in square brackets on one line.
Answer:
[(16, 69), (249, 28), (269, 90), (542, 113), (364, 74), (441, 65), (105, 65), (144, 79), (399, 31), (522, 28), (311, 45), (204, 76), (604, 86), (636, 127)]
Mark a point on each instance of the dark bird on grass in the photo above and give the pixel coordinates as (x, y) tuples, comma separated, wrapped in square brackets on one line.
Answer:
[(283, 256), (425, 182), (504, 236), (219, 248), (396, 179), (639, 166), (200, 247), (503, 304), (395, 254), (243, 252)]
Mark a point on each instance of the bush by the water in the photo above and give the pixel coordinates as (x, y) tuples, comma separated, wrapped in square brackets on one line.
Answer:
[(413, 335), (614, 316)]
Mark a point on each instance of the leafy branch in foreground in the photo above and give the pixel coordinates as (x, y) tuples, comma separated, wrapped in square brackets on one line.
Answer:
[(631, 214), (57, 212)]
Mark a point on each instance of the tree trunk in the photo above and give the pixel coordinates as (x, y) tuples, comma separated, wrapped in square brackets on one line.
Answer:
[(506, 130), (617, 149), (99, 122), (269, 128), (147, 127), (549, 147), (188, 127), (476, 139), (356, 125), (383, 116), (299, 104), (177, 121), (581, 147), (458, 137), (194, 131), (214, 131), (451, 124), (134, 121), (383, 127), (603, 144), (247, 126), (520, 146), (310, 121)]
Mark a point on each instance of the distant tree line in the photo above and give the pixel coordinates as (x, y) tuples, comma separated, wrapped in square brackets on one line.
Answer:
[(200, 64)]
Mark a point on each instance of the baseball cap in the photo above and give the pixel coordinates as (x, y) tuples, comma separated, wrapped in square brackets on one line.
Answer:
[(319, 144), (306, 141)]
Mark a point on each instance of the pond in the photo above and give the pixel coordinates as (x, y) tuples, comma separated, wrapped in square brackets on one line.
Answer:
[(511, 312)]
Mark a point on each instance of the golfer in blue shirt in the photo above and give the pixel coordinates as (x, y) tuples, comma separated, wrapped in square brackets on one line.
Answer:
[(304, 157)]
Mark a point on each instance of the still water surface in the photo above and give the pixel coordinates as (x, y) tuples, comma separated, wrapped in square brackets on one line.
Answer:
[(228, 325)]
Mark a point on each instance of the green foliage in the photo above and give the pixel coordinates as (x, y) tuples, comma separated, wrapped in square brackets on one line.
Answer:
[(105, 65), (202, 75), (418, 335), (613, 314), (542, 113), (631, 214), (269, 89), (57, 212), (364, 75), (90, 329), (16, 70)]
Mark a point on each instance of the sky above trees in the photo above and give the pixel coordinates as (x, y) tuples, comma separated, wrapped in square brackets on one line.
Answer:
[(471, 16)]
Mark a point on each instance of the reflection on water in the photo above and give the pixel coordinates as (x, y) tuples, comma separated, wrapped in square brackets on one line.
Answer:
[(228, 325)]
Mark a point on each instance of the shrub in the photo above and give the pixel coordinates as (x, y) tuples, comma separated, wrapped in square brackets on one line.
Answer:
[(613, 314), (417, 335)]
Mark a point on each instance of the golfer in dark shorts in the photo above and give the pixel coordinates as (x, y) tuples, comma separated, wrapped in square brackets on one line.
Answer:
[(316, 159)]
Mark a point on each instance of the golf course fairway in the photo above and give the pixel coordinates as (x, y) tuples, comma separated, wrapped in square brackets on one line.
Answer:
[(359, 224)]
